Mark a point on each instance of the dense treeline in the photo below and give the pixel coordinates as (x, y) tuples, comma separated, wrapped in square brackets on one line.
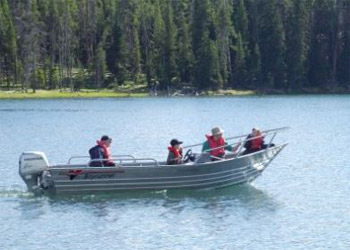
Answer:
[(205, 44)]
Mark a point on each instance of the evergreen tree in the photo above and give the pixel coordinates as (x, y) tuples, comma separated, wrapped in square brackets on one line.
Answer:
[(343, 68), (320, 66), (272, 45), (116, 51), (169, 45), (207, 72), (225, 33), (52, 31), (296, 52), (211, 44), (8, 44), (184, 50)]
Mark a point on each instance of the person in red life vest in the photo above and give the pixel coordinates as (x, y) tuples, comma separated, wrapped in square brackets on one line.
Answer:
[(216, 142), (255, 144), (175, 152), (101, 151)]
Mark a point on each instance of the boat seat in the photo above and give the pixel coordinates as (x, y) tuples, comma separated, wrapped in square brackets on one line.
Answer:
[(202, 158)]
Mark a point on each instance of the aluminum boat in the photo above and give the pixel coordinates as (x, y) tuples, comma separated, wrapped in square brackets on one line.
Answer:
[(131, 173)]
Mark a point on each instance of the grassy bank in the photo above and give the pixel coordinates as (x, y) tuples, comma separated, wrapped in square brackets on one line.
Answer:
[(51, 94), (141, 92), (57, 94)]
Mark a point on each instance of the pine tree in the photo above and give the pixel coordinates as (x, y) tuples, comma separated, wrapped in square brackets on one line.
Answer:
[(8, 44), (241, 20), (239, 61), (253, 55), (116, 52), (52, 24), (169, 45), (225, 33), (207, 69), (158, 39), (272, 45), (343, 69), (184, 50), (296, 52), (320, 67)]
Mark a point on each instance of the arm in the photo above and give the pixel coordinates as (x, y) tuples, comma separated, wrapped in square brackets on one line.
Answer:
[(172, 160), (228, 147), (205, 147), (248, 144)]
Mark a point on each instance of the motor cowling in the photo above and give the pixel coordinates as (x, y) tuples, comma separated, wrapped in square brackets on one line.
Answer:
[(31, 166)]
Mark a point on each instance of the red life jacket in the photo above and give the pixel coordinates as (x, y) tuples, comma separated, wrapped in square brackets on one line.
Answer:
[(257, 142), (106, 153), (174, 151), (219, 152)]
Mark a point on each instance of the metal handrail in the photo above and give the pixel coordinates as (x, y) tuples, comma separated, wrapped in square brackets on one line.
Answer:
[(83, 157), (266, 132), (121, 160), (241, 143)]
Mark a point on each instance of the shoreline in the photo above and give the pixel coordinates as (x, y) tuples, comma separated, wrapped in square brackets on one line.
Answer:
[(87, 94)]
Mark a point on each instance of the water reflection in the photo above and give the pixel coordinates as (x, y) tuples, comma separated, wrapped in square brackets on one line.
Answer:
[(246, 196), (218, 203)]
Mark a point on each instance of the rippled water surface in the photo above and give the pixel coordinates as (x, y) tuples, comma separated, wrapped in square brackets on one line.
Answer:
[(301, 201)]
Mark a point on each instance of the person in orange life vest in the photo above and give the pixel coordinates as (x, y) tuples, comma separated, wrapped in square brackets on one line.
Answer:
[(255, 144), (175, 152), (216, 140), (101, 151)]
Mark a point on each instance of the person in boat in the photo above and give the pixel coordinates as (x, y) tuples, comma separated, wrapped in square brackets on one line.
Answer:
[(175, 152), (254, 144), (216, 141), (101, 151)]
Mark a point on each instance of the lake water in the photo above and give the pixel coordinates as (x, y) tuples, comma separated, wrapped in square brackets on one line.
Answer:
[(301, 201)]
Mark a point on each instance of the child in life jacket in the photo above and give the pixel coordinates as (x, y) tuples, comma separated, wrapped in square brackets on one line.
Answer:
[(175, 152), (255, 144)]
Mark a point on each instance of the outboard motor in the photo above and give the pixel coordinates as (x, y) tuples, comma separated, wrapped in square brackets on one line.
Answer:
[(31, 167)]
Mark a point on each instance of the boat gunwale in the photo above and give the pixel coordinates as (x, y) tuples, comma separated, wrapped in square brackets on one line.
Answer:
[(186, 165)]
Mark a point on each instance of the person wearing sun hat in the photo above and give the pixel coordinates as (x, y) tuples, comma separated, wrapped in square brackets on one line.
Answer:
[(215, 144), (175, 152)]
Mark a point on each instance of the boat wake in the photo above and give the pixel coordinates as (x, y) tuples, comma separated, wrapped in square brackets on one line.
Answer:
[(15, 191)]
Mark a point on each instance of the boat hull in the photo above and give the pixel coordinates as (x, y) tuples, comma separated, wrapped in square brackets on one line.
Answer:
[(74, 179)]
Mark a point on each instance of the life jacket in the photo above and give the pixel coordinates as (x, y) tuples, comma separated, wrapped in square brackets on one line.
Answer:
[(257, 142), (106, 152), (174, 151), (219, 152)]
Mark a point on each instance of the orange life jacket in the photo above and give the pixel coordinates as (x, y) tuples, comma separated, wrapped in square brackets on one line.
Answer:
[(174, 151), (106, 152), (219, 152), (257, 142)]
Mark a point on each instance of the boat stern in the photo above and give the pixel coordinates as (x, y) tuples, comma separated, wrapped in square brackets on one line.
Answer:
[(32, 164)]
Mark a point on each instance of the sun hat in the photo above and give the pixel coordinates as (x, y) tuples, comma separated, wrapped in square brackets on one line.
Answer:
[(217, 131)]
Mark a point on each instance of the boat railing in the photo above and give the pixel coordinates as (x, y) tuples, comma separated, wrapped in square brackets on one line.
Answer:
[(88, 157), (241, 143), (122, 161)]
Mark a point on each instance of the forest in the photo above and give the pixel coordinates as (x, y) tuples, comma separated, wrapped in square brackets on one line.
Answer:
[(168, 45)]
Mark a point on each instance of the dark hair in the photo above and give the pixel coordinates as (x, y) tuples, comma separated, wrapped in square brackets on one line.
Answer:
[(174, 142), (105, 138)]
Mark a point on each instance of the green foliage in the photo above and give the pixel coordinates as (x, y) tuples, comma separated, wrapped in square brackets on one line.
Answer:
[(206, 44), (272, 45)]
